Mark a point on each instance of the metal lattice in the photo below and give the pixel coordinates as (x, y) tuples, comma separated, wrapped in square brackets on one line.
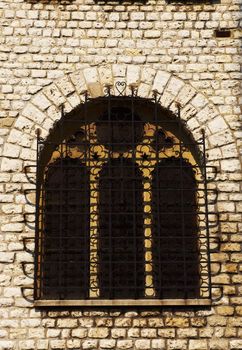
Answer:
[(121, 205)]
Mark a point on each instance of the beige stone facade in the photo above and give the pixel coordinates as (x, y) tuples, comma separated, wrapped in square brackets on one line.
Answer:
[(51, 54)]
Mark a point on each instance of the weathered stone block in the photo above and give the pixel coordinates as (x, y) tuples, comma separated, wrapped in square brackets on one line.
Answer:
[(73, 344), (196, 344), (218, 344), (11, 165), (177, 344), (58, 344), (89, 344), (118, 333), (67, 323), (155, 322), (123, 322), (142, 344), (7, 345), (176, 322), (41, 101), (54, 95), (217, 320), (124, 344), (133, 75), (27, 345), (107, 343), (160, 81), (79, 333), (235, 344), (101, 332), (158, 344), (6, 257)]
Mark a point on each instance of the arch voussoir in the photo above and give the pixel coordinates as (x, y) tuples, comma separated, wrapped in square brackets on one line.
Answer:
[(44, 109)]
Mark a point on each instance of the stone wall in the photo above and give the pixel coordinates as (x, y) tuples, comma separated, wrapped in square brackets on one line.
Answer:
[(50, 54)]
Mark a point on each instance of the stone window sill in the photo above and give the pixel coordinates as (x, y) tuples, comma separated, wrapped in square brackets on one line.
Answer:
[(124, 302)]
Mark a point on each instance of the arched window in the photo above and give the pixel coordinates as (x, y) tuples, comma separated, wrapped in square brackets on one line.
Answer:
[(121, 208)]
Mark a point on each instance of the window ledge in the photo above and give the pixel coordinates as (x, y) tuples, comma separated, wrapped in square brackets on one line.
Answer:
[(125, 302)]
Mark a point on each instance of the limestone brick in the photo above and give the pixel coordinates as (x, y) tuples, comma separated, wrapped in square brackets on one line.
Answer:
[(57, 344), (177, 344), (118, 333), (133, 75), (124, 344), (235, 344), (123, 322), (217, 320), (7, 345), (89, 344), (167, 332), (92, 81), (100, 332), (218, 344), (67, 323), (11, 151), (160, 81), (155, 322), (54, 95), (225, 310), (134, 332), (79, 82), (149, 333), (176, 322), (106, 322), (187, 332), (79, 333), (11, 165), (196, 344), (105, 74), (33, 113), (142, 344), (158, 344), (107, 343)]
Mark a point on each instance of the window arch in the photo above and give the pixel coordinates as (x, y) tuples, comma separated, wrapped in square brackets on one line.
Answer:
[(134, 227)]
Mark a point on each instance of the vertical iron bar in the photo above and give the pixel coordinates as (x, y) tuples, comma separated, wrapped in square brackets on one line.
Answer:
[(157, 190), (62, 201), (206, 210), (37, 279), (42, 190), (182, 202), (87, 255), (110, 153), (134, 229)]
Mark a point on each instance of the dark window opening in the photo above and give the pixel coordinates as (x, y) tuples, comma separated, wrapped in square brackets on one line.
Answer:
[(66, 231), (175, 230), (121, 237)]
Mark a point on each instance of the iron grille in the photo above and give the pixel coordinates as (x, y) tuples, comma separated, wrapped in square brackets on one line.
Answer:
[(122, 207)]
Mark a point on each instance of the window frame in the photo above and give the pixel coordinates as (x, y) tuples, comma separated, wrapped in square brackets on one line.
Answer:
[(200, 301)]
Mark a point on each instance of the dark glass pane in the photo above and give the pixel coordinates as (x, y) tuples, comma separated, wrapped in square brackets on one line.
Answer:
[(174, 227), (66, 230), (121, 236)]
